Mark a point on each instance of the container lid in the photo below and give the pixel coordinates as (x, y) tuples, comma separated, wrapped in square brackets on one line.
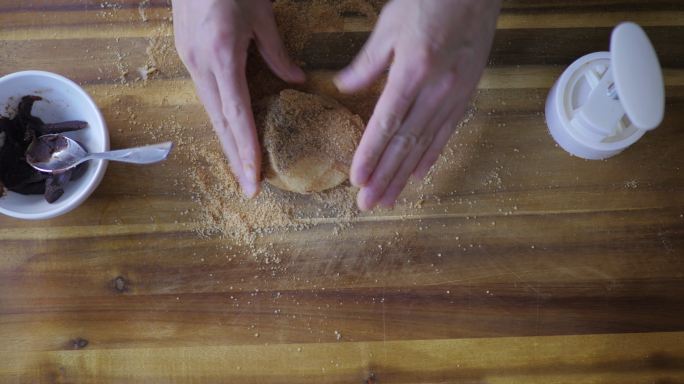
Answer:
[(637, 76)]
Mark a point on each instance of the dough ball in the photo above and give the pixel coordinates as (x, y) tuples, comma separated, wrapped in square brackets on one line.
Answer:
[(308, 141)]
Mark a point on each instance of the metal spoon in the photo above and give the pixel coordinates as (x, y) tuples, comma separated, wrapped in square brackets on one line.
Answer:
[(56, 153)]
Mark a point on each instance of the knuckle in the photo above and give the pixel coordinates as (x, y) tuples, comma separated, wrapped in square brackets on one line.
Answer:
[(447, 82), (219, 42), (404, 99), (425, 140), (219, 124), (403, 143), (233, 110), (387, 126), (226, 40)]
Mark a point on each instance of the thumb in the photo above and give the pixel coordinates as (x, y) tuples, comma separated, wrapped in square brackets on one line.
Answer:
[(373, 59), (272, 49)]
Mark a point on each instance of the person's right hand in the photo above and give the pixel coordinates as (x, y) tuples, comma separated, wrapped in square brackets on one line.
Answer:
[(436, 51), (212, 38)]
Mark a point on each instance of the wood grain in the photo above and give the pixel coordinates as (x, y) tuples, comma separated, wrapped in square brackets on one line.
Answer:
[(522, 264)]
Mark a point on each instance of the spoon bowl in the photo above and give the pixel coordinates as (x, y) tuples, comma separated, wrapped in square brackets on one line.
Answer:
[(56, 153)]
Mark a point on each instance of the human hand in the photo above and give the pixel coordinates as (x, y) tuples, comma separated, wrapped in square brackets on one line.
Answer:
[(212, 38), (438, 50)]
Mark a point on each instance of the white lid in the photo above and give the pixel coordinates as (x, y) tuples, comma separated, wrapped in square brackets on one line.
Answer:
[(605, 101), (637, 75)]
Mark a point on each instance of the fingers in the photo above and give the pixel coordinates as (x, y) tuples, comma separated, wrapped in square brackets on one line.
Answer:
[(271, 47), (208, 92), (409, 164), (237, 110), (394, 103), (407, 147), (372, 61), (369, 195), (435, 149)]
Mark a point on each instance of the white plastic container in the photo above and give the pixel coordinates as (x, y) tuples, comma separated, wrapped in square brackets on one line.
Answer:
[(62, 100), (606, 101)]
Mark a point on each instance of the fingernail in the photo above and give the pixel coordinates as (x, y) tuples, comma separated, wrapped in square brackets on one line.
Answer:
[(249, 186), (365, 200), (358, 178), (250, 172), (342, 79), (363, 207), (249, 189), (297, 74)]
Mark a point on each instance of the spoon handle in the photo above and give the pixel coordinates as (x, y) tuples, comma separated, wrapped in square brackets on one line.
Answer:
[(139, 155)]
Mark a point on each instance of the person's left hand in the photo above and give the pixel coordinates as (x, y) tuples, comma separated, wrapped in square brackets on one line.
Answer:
[(212, 38), (439, 49)]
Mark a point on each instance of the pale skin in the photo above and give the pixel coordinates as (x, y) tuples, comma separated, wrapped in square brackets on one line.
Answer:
[(435, 50)]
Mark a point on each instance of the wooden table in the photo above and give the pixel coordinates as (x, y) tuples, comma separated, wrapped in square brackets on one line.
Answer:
[(522, 264)]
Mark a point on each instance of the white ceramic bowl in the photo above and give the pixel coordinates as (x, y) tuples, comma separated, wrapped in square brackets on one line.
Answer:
[(62, 100)]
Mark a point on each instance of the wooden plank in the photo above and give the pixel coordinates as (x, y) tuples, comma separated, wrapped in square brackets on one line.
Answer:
[(571, 359), (545, 46)]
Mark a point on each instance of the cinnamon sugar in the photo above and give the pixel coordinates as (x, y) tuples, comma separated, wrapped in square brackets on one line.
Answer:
[(224, 212)]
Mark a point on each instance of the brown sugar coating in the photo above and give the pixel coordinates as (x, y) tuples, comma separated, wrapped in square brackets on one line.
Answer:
[(308, 141)]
